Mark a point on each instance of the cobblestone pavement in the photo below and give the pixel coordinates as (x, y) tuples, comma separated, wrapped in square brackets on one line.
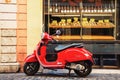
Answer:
[(97, 74)]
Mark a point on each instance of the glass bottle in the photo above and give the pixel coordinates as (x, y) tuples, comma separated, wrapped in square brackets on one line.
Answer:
[(98, 9), (74, 9), (53, 8), (64, 9), (101, 9), (85, 9), (56, 8), (77, 10), (92, 9), (95, 10), (113, 6), (50, 9), (71, 9), (113, 9), (88, 8), (109, 9), (105, 8), (59, 8), (68, 9)]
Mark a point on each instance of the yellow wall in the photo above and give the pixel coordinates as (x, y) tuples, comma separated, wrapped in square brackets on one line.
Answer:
[(34, 23)]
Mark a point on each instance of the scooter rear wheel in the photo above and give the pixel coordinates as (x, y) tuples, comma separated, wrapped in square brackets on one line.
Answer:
[(30, 68), (86, 71)]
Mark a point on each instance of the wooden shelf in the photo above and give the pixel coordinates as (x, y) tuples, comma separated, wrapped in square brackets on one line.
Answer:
[(83, 13), (97, 37), (98, 27), (84, 37), (67, 37), (79, 27), (98, 14), (64, 26), (64, 14)]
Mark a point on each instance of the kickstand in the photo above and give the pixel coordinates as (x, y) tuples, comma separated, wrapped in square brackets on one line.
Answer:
[(69, 73)]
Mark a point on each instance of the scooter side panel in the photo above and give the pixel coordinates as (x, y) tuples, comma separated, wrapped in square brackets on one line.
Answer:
[(76, 54)]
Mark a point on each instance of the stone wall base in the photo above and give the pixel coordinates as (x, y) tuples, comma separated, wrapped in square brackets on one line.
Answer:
[(9, 67)]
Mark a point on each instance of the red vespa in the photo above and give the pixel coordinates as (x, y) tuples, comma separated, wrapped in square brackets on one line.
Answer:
[(51, 55)]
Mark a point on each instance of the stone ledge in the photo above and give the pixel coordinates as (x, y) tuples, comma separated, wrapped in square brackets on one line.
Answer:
[(9, 67)]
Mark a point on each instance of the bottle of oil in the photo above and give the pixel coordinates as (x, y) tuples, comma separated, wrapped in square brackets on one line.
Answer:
[(109, 9), (56, 8), (62, 9), (50, 9), (65, 9), (74, 9), (71, 10)]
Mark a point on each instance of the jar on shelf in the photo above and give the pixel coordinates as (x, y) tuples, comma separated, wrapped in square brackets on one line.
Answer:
[(100, 23), (62, 23), (85, 22), (69, 23), (54, 23), (92, 22), (76, 23), (108, 23)]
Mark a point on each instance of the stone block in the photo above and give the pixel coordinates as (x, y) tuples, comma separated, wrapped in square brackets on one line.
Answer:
[(21, 49), (22, 17), (22, 24), (22, 8), (8, 41), (8, 24), (8, 8), (0, 39), (22, 33), (21, 57), (8, 49), (0, 45), (8, 32), (0, 57), (22, 1), (12, 1), (6, 58), (9, 67), (7, 16), (22, 41)]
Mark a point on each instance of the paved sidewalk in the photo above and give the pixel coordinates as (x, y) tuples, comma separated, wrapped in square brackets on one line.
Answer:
[(97, 74)]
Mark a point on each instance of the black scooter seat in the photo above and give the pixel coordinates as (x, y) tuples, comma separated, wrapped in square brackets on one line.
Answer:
[(63, 47)]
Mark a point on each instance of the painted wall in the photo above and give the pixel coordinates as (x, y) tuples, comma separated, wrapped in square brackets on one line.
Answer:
[(34, 23)]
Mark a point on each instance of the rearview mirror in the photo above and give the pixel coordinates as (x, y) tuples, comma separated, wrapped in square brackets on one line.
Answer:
[(58, 32)]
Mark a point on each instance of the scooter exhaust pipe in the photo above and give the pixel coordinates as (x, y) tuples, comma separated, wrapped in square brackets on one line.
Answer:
[(73, 66)]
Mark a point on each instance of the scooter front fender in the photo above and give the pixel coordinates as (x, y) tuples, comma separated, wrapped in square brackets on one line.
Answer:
[(31, 58)]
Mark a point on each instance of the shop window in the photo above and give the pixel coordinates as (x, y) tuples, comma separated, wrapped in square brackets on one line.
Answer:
[(86, 20)]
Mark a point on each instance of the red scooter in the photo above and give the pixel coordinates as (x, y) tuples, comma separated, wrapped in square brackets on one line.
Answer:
[(51, 55)]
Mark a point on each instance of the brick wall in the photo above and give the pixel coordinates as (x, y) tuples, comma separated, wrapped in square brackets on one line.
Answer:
[(21, 31)]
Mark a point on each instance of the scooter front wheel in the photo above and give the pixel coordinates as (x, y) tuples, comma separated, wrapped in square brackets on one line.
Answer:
[(84, 72), (30, 68)]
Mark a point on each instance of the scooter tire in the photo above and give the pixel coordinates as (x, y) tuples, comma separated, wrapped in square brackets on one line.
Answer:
[(86, 71), (31, 68)]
